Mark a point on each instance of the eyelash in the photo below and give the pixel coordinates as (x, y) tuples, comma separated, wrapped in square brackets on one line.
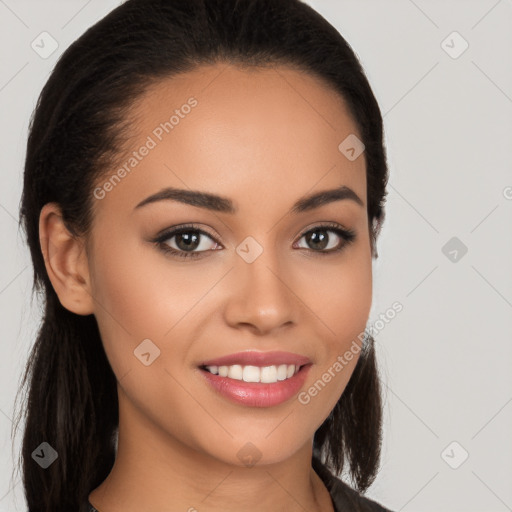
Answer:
[(347, 235)]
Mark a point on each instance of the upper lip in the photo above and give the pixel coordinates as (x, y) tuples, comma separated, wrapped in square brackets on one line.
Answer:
[(254, 358)]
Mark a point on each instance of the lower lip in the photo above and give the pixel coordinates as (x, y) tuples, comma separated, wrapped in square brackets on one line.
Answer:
[(257, 394)]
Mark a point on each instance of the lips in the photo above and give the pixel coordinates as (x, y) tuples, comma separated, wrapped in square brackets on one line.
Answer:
[(251, 393), (254, 358), (256, 394)]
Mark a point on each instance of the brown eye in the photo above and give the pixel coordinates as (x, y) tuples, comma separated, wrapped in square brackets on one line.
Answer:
[(188, 239), (319, 240)]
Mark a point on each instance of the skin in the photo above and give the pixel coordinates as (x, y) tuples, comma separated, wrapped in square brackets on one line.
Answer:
[(263, 138)]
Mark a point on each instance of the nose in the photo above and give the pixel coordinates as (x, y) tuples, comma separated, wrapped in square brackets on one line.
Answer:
[(262, 298)]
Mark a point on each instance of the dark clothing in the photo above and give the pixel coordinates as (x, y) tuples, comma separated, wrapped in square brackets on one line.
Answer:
[(344, 498)]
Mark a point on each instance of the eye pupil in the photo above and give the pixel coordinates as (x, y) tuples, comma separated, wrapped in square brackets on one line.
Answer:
[(190, 240), (319, 242)]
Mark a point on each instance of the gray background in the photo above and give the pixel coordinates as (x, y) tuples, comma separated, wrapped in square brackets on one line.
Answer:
[(445, 359)]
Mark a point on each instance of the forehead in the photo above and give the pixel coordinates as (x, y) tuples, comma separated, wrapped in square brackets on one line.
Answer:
[(260, 133)]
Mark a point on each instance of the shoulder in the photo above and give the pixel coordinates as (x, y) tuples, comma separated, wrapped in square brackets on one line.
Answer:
[(343, 496)]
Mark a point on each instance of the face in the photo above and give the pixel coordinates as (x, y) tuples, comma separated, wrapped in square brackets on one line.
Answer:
[(253, 274)]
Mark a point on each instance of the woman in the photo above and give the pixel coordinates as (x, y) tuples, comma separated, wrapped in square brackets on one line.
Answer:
[(203, 190)]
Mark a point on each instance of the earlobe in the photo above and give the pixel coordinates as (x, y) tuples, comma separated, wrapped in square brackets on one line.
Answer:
[(66, 261)]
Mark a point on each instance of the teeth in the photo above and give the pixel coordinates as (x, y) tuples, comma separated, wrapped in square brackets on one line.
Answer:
[(251, 374), (266, 374), (235, 372)]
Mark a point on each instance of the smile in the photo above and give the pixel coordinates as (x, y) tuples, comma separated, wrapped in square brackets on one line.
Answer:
[(266, 374), (284, 382)]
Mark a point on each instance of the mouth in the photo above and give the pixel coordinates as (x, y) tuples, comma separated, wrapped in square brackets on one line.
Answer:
[(256, 379), (257, 374)]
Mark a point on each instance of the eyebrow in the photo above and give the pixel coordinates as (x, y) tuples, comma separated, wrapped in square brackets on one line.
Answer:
[(225, 205)]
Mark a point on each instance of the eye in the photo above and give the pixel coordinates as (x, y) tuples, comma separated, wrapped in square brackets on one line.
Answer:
[(322, 243), (188, 239), (189, 244)]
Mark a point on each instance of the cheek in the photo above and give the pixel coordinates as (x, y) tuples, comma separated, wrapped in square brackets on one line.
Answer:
[(137, 298), (342, 302), (340, 296)]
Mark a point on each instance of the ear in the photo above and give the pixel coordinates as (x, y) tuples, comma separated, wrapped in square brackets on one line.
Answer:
[(66, 261)]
